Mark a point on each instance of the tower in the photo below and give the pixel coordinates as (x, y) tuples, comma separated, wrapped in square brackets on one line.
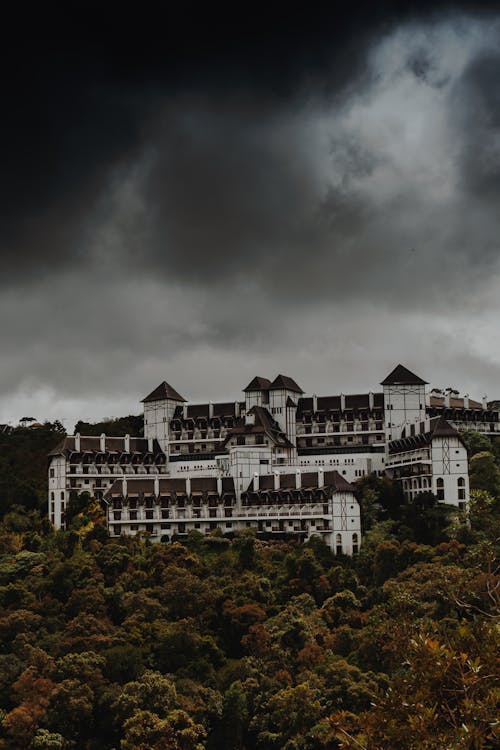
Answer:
[(159, 409), (257, 392), (404, 401), (283, 394)]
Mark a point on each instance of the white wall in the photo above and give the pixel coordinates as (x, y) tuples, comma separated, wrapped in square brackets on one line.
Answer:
[(403, 404)]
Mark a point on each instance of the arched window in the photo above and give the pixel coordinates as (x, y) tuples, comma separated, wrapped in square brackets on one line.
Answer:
[(355, 544), (338, 544), (440, 488)]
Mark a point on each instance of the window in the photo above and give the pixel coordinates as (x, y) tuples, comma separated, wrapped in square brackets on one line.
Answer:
[(440, 488), (355, 544), (461, 488), (52, 473), (338, 544)]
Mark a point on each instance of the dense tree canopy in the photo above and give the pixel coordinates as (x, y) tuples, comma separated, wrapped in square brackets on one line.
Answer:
[(236, 643)]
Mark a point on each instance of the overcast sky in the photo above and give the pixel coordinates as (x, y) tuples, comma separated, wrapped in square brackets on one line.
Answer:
[(207, 199)]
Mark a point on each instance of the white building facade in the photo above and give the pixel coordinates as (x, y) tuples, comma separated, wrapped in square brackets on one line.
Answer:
[(278, 461)]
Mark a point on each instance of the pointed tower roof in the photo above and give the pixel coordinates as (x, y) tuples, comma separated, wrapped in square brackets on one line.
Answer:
[(402, 376), (440, 427), (258, 384), (283, 382), (163, 392)]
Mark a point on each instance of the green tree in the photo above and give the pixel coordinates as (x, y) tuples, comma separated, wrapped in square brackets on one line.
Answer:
[(484, 473)]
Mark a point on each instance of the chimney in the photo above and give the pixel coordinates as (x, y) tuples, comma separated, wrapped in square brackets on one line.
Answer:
[(276, 480), (466, 401), (342, 402), (184, 411), (447, 402), (126, 443), (210, 409), (150, 444), (321, 478), (298, 479), (77, 442), (102, 443), (315, 403), (485, 402), (157, 486), (371, 401), (256, 482), (236, 409), (250, 418)]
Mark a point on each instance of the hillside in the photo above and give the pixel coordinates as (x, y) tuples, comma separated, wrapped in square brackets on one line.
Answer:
[(234, 643)]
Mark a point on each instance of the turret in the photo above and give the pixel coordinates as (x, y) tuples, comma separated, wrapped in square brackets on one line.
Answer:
[(159, 409), (404, 400)]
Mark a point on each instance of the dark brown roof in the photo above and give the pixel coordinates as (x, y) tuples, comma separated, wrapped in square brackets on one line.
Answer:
[(204, 484), (309, 480), (283, 382), (266, 482), (162, 392), (357, 401), (264, 424), (437, 402), (332, 403), (169, 485), (402, 376), (258, 384), (335, 480), (228, 484), (225, 409), (438, 427), (145, 486), (287, 481), (201, 411), (92, 444)]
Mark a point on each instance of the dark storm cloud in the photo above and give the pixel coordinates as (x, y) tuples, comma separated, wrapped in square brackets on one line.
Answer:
[(476, 114), (78, 102), (195, 199)]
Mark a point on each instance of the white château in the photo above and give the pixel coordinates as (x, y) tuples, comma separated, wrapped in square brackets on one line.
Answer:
[(277, 461)]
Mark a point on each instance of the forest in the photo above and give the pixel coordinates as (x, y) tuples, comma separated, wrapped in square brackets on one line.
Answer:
[(238, 643)]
